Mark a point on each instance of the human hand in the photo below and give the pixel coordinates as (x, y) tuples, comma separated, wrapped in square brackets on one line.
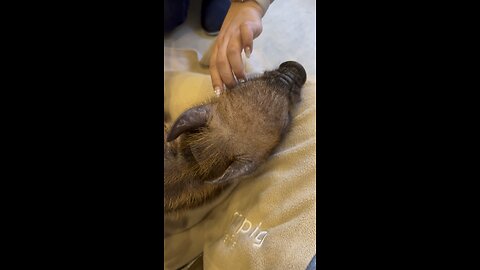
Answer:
[(242, 24)]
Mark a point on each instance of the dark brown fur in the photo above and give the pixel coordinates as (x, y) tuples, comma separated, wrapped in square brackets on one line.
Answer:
[(211, 145)]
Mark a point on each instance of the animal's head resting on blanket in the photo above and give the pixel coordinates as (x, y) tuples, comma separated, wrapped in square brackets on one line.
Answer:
[(228, 137)]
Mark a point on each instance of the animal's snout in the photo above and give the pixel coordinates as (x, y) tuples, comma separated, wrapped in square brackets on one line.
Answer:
[(295, 71)]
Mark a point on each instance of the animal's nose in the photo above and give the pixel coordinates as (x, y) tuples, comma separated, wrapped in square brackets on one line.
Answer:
[(295, 69)]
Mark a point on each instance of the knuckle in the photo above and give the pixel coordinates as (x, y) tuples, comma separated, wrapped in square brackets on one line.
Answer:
[(221, 62), (233, 50)]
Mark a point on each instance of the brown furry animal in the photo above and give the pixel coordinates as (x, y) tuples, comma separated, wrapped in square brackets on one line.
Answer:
[(227, 138)]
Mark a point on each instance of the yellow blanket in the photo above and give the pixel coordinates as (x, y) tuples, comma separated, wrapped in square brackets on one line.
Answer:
[(267, 221)]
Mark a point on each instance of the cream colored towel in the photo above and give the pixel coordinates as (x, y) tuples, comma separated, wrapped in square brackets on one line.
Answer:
[(268, 221)]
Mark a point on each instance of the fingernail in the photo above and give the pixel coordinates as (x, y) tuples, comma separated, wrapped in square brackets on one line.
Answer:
[(217, 91), (248, 52), (241, 80)]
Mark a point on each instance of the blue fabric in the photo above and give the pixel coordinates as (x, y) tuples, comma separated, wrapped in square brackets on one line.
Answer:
[(213, 14), (174, 14), (313, 264)]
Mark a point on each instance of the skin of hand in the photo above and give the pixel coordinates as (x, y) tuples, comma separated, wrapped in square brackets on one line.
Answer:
[(242, 24)]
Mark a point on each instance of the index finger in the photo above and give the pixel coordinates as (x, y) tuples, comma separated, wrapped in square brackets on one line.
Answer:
[(217, 82)]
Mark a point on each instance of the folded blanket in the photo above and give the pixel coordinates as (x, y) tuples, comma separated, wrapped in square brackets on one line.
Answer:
[(266, 221)]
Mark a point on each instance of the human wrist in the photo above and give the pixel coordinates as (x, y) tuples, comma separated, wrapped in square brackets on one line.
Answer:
[(260, 5)]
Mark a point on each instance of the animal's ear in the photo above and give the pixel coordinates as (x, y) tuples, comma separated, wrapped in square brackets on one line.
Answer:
[(237, 169), (192, 119)]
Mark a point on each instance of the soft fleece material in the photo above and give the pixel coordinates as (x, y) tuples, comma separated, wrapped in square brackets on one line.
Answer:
[(267, 221)]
